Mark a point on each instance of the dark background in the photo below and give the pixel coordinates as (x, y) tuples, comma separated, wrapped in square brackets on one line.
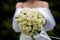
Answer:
[(7, 9)]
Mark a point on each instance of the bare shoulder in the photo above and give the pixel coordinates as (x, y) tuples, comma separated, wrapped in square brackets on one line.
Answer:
[(44, 4), (19, 4)]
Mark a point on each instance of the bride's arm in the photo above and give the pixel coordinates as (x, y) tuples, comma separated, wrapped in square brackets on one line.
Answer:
[(14, 23), (50, 22), (49, 18)]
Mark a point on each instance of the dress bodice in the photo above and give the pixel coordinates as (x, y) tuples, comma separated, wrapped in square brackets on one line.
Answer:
[(49, 25)]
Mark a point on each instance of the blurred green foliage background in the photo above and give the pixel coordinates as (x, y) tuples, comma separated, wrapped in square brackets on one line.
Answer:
[(7, 9)]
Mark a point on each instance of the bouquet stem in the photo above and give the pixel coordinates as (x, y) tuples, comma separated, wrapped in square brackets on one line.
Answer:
[(33, 38)]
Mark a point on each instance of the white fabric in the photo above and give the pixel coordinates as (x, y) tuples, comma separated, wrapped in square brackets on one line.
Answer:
[(50, 23), (15, 24), (42, 36)]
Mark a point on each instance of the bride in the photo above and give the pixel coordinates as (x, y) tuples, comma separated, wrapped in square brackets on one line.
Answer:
[(43, 7)]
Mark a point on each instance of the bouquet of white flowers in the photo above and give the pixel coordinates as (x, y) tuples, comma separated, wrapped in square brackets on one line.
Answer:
[(30, 21)]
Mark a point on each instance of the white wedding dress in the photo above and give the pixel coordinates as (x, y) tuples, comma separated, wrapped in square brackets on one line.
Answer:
[(50, 23)]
